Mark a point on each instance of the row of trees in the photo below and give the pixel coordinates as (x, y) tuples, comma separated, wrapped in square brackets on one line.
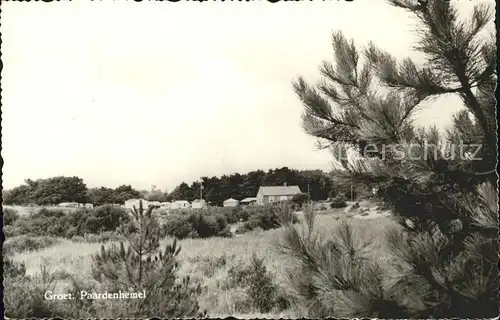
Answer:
[(447, 252), (215, 190), (66, 189), (240, 186)]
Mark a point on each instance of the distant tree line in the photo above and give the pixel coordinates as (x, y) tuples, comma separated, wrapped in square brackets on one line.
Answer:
[(59, 189), (240, 186), (55, 190)]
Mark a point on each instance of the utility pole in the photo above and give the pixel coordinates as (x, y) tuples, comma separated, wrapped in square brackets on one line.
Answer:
[(352, 196), (308, 192), (201, 190)]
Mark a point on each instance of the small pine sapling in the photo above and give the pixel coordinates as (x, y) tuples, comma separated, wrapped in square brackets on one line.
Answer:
[(141, 266)]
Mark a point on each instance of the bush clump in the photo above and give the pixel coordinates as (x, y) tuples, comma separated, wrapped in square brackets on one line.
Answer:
[(262, 290), (12, 269), (197, 225), (258, 283), (9, 216), (205, 225), (178, 227), (267, 218), (56, 223), (338, 202), (106, 218), (29, 243), (24, 295), (300, 198)]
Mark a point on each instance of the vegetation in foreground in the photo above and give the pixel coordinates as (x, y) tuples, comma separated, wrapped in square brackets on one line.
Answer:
[(441, 188), (240, 276), (100, 224)]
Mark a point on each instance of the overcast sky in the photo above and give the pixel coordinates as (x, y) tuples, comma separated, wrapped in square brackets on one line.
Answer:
[(157, 93)]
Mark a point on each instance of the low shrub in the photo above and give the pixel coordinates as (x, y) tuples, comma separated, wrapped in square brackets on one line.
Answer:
[(239, 276), (262, 290), (193, 234), (206, 226), (12, 231), (300, 198), (232, 215), (43, 222), (178, 226), (9, 216), (221, 221), (56, 223), (241, 229), (106, 218), (225, 233), (322, 207), (338, 202), (197, 225), (12, 269), (258, 283), (208, 266), (29, 243), (266, 217), (24, 297), (244, 214)]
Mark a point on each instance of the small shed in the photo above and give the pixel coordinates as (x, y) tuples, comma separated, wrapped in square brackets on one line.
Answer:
[(248, 201), (231, 203)]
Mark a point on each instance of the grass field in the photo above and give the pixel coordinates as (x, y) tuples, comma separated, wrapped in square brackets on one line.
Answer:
[(209, 260)]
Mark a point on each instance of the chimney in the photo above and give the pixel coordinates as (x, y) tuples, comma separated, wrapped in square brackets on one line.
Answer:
[(284, 184)]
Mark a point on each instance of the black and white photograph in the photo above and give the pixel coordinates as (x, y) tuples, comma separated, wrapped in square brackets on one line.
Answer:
[(249, 159)]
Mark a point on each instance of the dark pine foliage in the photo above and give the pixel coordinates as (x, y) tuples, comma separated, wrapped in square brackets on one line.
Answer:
[(444, 198)]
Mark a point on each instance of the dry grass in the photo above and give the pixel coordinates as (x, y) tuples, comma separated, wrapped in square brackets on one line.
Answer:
[(198, 257)]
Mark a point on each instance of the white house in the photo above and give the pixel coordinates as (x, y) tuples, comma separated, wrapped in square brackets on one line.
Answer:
[(180, 204), (276, 193), (129, 204), (88, 206), (199, 204), (231, 203)]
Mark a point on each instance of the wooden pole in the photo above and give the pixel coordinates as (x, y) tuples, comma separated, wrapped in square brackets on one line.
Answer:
[(201, 190)]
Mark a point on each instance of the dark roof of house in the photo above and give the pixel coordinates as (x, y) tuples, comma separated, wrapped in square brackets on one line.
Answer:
[(280, 190)]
